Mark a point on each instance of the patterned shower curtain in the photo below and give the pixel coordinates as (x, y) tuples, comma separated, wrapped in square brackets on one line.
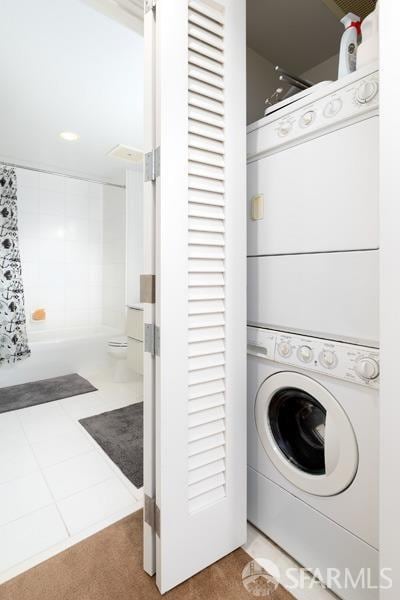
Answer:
[(13, 338)]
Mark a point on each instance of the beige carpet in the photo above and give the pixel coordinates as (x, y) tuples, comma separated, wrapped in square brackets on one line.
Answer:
[(108, 566)]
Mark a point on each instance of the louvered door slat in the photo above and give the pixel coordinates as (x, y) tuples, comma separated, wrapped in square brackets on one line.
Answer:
[(206, 116), (206, 50), (205, 36), (204, 62), (204, 348), (206, 103), (207, 10), (207, 158), (205, 143), (206, 23)]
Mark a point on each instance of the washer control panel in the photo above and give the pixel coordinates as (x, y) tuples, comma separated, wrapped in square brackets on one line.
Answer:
[(359, 364)]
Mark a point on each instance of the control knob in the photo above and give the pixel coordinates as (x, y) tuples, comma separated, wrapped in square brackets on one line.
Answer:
[(308, 118), (367, 368), (333, 107), (284, 349), (305, 354), (366, 92), (284, 128), (328, 359)]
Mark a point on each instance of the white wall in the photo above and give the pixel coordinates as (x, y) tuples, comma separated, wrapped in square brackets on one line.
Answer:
[(134, 233), (72, 239), (60, 229), (261, 83), (114, 252), (325, 71)]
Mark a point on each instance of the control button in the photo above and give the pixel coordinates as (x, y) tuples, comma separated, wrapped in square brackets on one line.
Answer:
[(307, 118), (284, 349), (366, 92), (284, 128), (328, 359), (333, 107), (305, 354), (367, 368)]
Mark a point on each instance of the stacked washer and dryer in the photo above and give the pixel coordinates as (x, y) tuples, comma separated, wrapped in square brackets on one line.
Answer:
[(313, 335)]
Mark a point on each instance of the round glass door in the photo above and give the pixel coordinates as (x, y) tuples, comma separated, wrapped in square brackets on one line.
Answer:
[(297, 422), (306, 433)]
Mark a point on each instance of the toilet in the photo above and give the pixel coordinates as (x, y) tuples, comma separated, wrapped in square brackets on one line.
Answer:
[(118, 352)]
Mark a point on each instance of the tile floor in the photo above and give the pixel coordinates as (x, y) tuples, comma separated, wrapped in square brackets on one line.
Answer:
[(57, 486)]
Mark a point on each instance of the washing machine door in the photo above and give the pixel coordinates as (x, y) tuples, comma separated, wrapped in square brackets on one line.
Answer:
[(306, 433)]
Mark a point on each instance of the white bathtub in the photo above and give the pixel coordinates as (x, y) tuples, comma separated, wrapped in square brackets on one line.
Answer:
[(61, 352)]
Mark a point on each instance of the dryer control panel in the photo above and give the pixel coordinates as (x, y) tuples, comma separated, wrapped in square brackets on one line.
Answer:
[(338, 104), (359, 364)]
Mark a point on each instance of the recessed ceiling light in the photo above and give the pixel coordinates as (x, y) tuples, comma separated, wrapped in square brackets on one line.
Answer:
[(70, 136)]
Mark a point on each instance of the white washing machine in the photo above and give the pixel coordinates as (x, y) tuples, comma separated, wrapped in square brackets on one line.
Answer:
[(313, 453), (313, 226)]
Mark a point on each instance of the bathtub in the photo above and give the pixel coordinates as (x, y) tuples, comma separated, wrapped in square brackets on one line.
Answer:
[(55, 353)]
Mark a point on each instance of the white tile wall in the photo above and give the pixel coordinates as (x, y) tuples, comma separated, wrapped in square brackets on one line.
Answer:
[(114, 246), (70, 238)]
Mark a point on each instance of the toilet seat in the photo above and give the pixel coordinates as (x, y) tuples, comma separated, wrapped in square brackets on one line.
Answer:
[(120, 341)]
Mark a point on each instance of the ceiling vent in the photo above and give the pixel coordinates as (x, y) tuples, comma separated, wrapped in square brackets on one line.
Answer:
[(132, 155), (362, 8)]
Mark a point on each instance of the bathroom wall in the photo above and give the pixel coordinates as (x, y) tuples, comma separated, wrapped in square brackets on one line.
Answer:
[(134, 233), (114, 257), (71, 240), (60, 228)]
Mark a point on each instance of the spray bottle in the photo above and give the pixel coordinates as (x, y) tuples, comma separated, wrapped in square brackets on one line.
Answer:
[(349, 43)]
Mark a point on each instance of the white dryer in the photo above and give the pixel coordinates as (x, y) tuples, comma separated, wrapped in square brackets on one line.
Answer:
[(313, 172), (313, 227), (313, 452)]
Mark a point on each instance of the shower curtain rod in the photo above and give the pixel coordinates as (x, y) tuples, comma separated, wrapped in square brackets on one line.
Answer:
[(16, 166)]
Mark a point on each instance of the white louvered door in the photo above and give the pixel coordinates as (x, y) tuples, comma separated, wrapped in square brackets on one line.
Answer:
[(200, 285)]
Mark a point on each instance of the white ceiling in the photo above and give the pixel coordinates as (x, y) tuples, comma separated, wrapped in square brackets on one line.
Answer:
[(296, 34), (67, 67)]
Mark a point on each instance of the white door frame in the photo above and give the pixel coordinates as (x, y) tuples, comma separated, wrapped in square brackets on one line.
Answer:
[(389, 295)]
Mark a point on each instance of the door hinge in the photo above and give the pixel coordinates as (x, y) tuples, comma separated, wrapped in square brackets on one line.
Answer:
[(149, 5), (152, 165), (152, 514), (152, 339)]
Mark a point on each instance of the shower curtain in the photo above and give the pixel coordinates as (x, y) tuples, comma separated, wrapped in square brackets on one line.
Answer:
[(13, 338)]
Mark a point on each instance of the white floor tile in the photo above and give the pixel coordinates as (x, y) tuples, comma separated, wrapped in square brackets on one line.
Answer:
[(95, 504), (10, 429), (16, 460), (45, 421), (77, 474), (30, 535), (86, 405), (23, 496), (55, 449)]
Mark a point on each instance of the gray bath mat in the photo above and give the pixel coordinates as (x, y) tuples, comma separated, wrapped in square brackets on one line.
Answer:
[(40, 392), (120, 433)]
